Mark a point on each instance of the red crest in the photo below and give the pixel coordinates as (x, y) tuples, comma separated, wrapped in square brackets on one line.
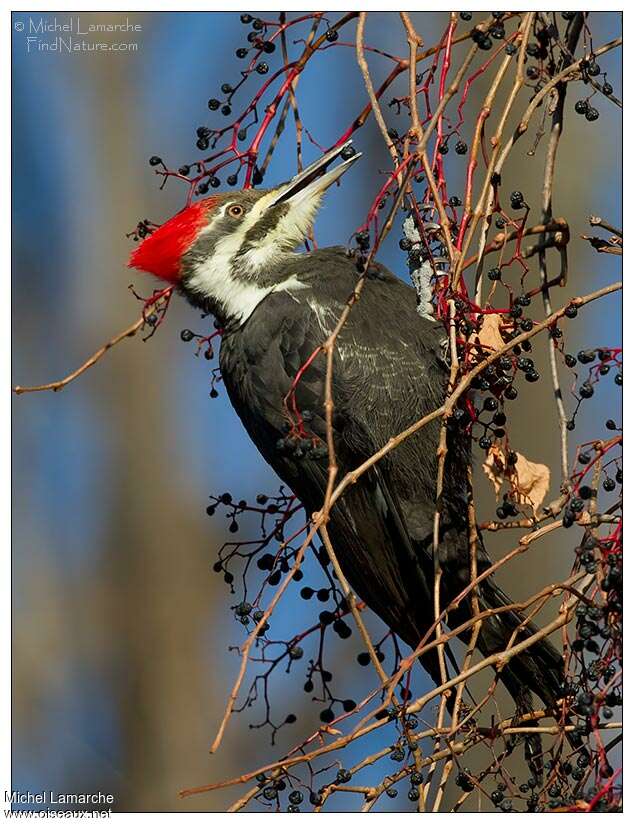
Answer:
[(162, 251)]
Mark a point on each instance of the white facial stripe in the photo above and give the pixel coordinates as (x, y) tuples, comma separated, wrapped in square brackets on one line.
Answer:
[(239, 297), (290, 231), (213, 277)]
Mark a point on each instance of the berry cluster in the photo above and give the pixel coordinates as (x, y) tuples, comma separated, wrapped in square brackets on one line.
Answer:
[(487, 293)]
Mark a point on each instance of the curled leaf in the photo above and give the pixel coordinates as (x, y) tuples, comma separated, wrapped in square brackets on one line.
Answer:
[(489, 337), (528, 481)]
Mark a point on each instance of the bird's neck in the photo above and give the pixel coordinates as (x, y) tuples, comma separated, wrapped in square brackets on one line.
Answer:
[(231, 291)]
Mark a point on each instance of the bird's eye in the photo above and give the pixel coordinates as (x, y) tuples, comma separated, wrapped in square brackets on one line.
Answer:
[(236, 210)]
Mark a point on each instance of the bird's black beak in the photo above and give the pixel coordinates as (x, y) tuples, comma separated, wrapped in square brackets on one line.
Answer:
[(316, 178)]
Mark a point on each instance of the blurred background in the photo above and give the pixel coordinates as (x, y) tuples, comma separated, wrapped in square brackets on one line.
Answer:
[(120, 628)]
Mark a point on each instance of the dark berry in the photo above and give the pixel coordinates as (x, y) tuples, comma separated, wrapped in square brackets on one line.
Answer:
[(464, 781), (342, 629), (295, 652), (517, 200), (363, 240)]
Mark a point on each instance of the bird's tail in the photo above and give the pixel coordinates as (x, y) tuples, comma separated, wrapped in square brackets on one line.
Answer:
[(540, 668)]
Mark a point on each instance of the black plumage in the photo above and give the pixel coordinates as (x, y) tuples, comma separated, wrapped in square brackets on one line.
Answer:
[(233, 255), (389, 371)]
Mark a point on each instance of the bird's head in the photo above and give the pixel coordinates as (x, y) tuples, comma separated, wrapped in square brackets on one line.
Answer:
[(224, 252)]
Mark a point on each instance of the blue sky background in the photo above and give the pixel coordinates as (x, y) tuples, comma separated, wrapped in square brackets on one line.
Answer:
[(120, 628)]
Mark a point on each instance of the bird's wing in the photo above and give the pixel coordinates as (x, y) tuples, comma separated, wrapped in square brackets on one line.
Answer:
[(386, 375)]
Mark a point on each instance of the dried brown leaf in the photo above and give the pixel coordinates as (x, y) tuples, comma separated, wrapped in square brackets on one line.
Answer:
[(528, 481), (489, 337)]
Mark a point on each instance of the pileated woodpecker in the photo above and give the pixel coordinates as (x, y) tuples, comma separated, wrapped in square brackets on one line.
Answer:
[(234, 255)]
